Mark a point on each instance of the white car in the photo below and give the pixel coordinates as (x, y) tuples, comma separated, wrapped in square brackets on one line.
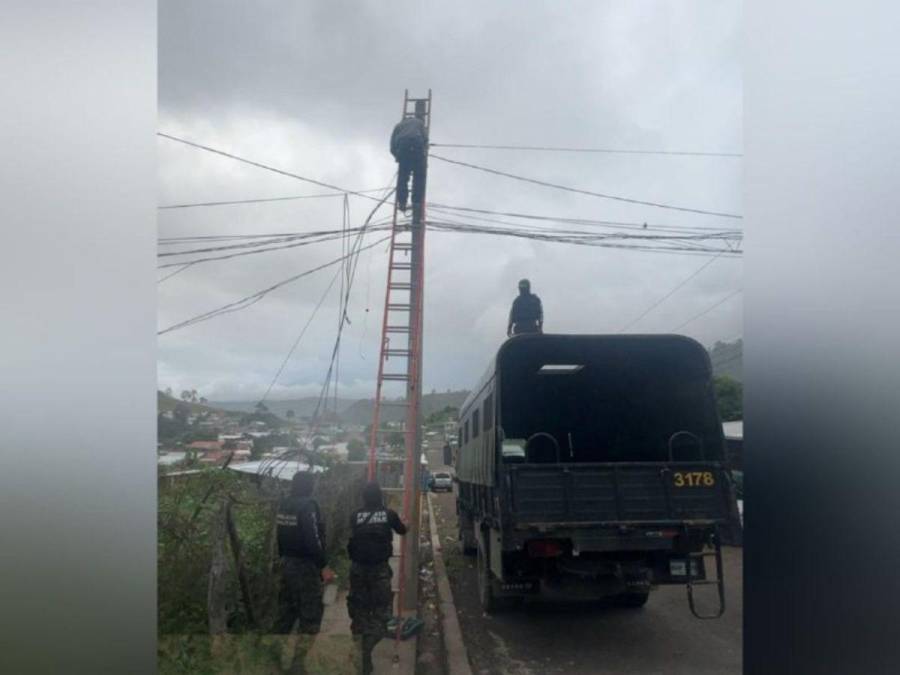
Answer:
[(442, 481)]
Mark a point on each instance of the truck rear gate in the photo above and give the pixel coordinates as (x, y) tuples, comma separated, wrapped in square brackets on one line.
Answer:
[(618, 493)]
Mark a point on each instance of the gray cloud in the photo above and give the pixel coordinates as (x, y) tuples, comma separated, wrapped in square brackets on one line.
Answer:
[(315, 88)]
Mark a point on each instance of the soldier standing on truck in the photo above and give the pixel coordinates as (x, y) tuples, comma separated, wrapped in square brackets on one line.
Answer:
[(370, 548), (301, 546), (526, 314), (408, 144)]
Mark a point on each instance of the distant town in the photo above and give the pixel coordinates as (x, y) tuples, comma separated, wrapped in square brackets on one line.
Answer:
[(194, 434)]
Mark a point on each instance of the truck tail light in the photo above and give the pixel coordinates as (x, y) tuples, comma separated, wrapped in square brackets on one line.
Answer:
[(544, 548)]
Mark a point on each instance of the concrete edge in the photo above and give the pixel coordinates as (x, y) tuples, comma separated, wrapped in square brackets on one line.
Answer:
[(454, 647)]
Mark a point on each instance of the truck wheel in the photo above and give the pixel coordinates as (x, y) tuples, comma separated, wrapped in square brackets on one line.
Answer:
[(633, 600)]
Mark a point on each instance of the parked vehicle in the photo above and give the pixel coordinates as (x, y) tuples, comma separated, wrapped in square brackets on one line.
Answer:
[(591, 467), (442, 481)]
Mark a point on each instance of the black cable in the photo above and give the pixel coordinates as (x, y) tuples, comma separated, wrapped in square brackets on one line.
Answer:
[(601, 150), (580, 221), (262, 199), (586, 239), (299, 337), (172, 274), (263, 166), (587, 192), (249, 300), (305, 242), (707, 310), (670, 293)]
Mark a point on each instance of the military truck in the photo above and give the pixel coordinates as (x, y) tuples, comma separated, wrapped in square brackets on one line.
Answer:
[(592, 468)]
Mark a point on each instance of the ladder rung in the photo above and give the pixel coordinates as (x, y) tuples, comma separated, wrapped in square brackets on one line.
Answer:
[(402, 247), (395, 404), (401, 266), (397, 352), (395, 376), (396, 329), (400, 286), (398, 307)]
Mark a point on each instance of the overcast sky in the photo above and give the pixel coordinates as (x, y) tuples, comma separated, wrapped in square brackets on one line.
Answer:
[(315, 88)]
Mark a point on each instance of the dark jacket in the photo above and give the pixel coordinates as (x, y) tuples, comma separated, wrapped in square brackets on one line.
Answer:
[(301, 532), (526, 308), (370, 535), (409, 136)]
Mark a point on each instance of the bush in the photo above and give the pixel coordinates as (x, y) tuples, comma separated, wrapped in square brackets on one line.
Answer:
[(185, 546)]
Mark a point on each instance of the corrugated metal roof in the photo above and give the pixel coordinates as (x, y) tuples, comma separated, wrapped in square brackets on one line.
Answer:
[(276, 469)]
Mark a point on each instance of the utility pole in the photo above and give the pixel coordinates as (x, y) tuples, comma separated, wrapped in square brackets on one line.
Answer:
[(403, 314), (414, 388)]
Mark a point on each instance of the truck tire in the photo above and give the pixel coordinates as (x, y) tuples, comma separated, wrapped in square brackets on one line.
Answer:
[(633, 600)]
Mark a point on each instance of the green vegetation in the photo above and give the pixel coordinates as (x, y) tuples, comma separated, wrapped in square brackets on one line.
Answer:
[(447, 414), (187, 528), (729, 398)]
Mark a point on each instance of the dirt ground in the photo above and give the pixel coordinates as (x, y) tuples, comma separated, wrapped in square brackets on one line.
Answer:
[(662, 638)]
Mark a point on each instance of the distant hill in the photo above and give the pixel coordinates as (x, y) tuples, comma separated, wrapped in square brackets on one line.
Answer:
[(351, 411), (164, 403), (728, 359), (302, 407), (361, 412)]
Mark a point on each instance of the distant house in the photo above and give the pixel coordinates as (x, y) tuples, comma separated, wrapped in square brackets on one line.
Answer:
[(215, 457), (206, 446)]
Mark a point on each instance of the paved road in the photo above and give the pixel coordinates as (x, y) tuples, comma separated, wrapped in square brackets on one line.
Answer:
[(661, 638)]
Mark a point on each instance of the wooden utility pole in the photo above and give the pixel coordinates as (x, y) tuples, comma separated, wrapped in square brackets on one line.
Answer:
[(414, 389), (403, 316)]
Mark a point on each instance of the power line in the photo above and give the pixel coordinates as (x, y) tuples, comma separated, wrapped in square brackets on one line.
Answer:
[(581, 239), (588, 192), (305, 242), (263, 199), (252, 299), (264, 166), (582, 221), (594, 150), (172, 274), (670, 293), (299, 337), (707, 310)]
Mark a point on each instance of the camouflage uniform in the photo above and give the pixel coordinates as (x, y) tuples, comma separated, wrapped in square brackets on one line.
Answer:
[(370, 598), (300, 596), (301, 545), (369, 601)]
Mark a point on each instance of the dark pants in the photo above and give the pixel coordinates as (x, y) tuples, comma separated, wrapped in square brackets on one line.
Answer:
[(300, 596), (412, 162), (521, 327), (369, 605)]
